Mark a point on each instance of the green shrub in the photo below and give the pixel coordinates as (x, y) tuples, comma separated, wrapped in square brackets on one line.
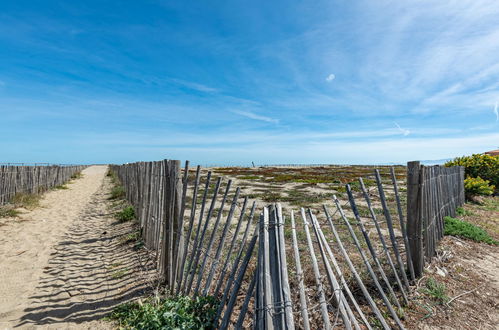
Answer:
[(463, 212), (27, 201), (77, 175), (7, 212), (117, 192), (477, 186), (457, 227), (173, 313), (436, 290), (127, 214), (478, 165)]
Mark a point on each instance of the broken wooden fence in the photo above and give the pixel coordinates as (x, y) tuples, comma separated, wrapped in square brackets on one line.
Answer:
[(348, 265), (32, 179)]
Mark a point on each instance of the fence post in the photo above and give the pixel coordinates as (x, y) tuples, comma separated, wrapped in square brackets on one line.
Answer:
[(414, 221)]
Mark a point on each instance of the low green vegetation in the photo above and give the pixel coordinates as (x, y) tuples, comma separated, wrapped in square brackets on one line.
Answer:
[(60, 187), (8, 212), (435, 290), (27, 201), (119, 273), (172, 313), (117, 192), (128, 238), (463, 212), (127, 214), (249, 177), (460, 228), (76, 175)]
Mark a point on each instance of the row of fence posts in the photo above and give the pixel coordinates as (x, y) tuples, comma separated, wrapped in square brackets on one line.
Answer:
[(193, 258), (32, 179), (433, 193), (191, 252)]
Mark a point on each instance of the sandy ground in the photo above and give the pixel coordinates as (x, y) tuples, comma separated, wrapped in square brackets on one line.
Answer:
[(470, 272), (62, 265)]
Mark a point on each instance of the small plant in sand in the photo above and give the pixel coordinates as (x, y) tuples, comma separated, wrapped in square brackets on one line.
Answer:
[(127, 214), (27, 201), (8, 212), (436, 290), (76, 175), (117, 192)]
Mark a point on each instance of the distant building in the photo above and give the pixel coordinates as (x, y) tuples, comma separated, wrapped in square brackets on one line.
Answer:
[(492, 152)]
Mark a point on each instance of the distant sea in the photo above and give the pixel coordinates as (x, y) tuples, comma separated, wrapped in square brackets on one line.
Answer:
[(435, 161)]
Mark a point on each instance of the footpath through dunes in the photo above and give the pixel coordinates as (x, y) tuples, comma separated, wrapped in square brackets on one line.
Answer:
[(64, 264)]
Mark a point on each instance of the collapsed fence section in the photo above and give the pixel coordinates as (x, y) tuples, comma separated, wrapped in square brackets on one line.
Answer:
[(433, 193), (32, 179), (347, 265), (342, 267)]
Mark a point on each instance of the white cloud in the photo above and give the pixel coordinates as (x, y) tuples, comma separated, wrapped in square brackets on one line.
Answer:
[(402, 130), (255, 116), (195, 86), (330, 77), (496, 112)]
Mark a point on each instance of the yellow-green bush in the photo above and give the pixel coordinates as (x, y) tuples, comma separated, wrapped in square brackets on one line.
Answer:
[(477, 186), (478, 165)]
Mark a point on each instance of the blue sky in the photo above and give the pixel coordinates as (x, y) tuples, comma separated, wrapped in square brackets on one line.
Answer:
[(230, 82)]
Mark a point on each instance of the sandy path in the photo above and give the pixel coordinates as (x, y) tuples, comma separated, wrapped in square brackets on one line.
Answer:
[(63, 265)]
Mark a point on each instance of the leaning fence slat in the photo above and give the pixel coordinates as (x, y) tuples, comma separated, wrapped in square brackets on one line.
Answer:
[(318, 282), (199, 250), (340, 273), (402, 224), (267, 279), (370, 247), (299, 276), (191, 224), (221, 243), (386, 301), (238, 254), (207, 251), (288, 308), (382, 240), (365, 292), (237, 284), (221, 276), (389, 224), (340, 301)]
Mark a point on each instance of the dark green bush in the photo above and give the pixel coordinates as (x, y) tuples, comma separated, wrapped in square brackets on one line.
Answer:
[(457, 227), (127, 214), (174, 313), (117, 192)]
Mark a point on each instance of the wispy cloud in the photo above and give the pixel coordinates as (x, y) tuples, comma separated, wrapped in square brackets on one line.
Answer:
[(330, 77), (496, 112), (195, 86), (255, 116), (405, 132)]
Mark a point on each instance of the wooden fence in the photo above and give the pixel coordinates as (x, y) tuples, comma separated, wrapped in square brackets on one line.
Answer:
[(32, 179), (349, 265), (433, 192), (207, 252)]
